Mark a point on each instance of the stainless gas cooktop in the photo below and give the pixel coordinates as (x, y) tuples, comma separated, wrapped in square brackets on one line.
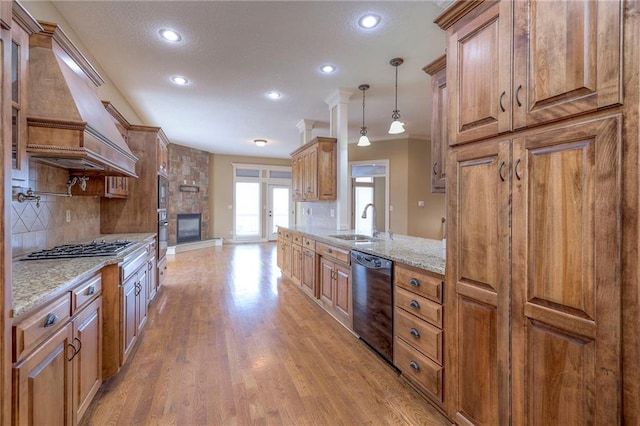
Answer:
[(69, 251)]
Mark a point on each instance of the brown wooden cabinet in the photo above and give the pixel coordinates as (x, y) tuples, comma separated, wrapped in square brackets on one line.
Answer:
[(59, 358), (335, 282), (314, 170), (283, 255), (104, 186), (308, 281), (296, 262), (133, 301), (418, 334), (555, 74), (534, 293), (22, 26), (163, 154), (439, 130)]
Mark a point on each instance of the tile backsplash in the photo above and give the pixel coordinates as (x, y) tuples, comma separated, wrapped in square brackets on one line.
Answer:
[(36, 227)]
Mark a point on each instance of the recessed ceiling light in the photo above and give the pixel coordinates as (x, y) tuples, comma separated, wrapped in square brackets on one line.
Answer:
[(327, 69), (170, 35), (179, 80), (260, 142), (369, 21), (274, 95)]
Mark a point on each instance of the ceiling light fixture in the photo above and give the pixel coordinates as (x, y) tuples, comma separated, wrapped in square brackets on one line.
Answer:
[(274, 95), (327, 69), (369, 21), (260, 142), (397, 126), (364, 140), (170, 35), (179, 80)]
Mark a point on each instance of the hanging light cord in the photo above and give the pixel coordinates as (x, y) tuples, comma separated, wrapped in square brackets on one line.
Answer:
[(396, 112), (363, 130)]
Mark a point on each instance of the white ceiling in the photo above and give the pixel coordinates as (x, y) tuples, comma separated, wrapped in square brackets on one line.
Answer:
[(233, 52)]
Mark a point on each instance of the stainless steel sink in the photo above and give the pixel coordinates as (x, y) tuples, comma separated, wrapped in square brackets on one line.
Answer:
[(353, 237)]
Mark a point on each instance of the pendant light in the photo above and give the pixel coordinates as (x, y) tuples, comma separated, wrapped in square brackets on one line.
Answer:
[(397, 126), (364, 140)]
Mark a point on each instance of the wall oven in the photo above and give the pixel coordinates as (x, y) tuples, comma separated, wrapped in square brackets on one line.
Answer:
[(163, 225)]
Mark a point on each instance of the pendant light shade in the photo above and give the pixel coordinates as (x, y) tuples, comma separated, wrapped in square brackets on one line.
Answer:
[(397, 126), (364, 140)]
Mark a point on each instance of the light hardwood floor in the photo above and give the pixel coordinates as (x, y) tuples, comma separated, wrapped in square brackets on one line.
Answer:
[(229, 341)]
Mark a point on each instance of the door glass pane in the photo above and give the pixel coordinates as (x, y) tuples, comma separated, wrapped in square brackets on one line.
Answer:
[(247, 208), (15, 83), (363, 195), (280, 208)]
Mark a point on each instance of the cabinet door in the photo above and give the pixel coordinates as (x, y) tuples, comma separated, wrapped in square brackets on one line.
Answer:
[(439, 138), (326, 171), (280, 253), (567, 59), (479, 74), (566, 288), (19, 67), (343, 302), (42, 383), (311, 173), (309, 272), (297, 178), (326, 281), (129, 326), (286, 257), (152, 278), (296, 263), (477, 294), (141, 298), (87, 363)]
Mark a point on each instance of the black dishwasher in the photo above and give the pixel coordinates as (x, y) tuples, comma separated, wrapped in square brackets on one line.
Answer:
[(372, 281)]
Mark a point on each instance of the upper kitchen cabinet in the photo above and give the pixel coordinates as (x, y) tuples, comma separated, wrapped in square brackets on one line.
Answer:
[(67, 125), (314, 170), (439, 114), (23, 25), (566, 61), (163, 154)]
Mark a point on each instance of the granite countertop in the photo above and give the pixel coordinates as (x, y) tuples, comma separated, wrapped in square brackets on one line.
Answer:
[(37, 281), (422, 253)]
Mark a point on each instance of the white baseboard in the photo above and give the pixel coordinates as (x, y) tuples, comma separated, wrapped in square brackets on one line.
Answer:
[(194, 245)]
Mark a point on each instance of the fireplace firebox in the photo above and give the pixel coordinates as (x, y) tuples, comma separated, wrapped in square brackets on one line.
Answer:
[(189, 227)]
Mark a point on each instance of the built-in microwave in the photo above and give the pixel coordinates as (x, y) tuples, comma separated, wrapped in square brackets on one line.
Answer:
[(163, 192)]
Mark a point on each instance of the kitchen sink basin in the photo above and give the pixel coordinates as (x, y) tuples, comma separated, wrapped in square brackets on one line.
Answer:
[(354, 237)]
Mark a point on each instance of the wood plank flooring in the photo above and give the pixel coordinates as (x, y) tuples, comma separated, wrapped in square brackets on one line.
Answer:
[(229, 341)]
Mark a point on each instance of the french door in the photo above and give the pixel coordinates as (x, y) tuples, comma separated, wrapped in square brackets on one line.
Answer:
[(279, 211)]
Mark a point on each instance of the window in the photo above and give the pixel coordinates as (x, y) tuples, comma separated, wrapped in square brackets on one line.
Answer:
[(247, 209)]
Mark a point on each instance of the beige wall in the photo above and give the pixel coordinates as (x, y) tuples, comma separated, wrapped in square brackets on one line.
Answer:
[(46, 11), (423, 221), (221, 189), (409, 183)]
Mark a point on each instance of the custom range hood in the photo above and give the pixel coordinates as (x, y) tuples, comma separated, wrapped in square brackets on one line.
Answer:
[(67, 125)]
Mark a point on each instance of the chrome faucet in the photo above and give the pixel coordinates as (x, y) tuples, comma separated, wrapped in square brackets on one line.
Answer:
[(374, 231)]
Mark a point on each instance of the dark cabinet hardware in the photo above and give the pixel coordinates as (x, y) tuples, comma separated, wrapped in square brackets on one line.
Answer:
[(501, 105), (50, 320), (415, 333), (414, 282), (414, 365), (414, 304)]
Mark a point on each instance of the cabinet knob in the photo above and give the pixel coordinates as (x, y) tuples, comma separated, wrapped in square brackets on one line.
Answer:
[(50, 320), (414, 304), (414, 332), (414, 365), (414, 282)]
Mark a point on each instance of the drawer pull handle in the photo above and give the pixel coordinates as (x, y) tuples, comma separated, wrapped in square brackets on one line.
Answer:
[(50, 320), (91, 290), (329, 250), (414, 282), (414, 304), (414, 365), (415, 333)]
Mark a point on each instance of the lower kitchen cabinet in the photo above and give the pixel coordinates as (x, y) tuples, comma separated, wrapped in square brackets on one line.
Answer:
[(283, 255), (134, 310), (296, 263), (56, 378), (418, 330), (335, 282), (308, 281)]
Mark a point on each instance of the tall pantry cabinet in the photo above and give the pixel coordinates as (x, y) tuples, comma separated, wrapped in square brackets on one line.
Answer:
[(543, 139)]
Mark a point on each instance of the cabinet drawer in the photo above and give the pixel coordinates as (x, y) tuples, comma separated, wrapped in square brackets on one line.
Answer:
[(286, 234), (419, 281), (419, 334), (422, 307), (37, 327), (296, 238), (420, 369), (132, 263), (309, 243), (336, 253), (85, 292)]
